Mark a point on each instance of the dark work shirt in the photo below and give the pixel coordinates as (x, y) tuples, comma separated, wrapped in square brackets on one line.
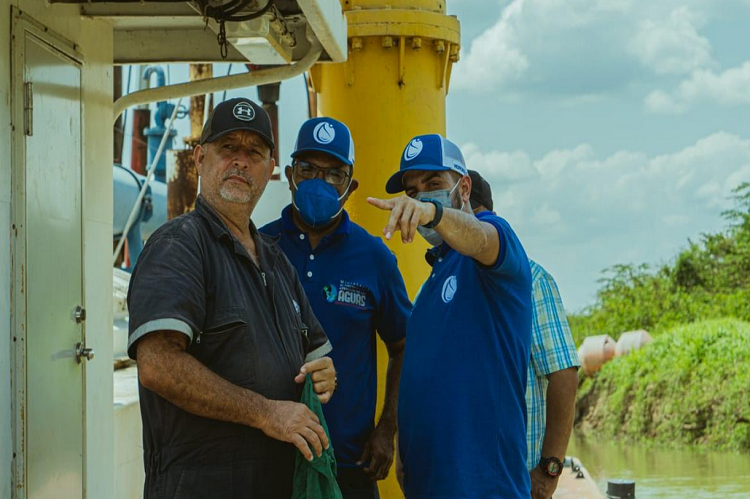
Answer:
[(252, 326), (355, 288)]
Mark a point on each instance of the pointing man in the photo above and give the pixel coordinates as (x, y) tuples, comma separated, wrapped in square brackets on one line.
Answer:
[(356, 290), (468, 336)]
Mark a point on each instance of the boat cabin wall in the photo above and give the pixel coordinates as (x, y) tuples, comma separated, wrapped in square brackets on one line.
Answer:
[(93, 40)]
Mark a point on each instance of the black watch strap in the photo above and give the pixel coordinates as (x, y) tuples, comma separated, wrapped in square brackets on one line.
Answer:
[(438, 213)]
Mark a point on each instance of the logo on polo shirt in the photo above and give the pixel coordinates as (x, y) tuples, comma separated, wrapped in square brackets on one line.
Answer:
[(449, 288), (244, 111), (329, 290), (413, 149), (350, 294), (324, 133)]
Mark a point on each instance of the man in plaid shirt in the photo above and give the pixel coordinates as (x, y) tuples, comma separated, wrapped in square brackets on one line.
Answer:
[(552, 379)]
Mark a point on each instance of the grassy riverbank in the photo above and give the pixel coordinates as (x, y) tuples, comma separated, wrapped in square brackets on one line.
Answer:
[(689, 387), (692, 385)]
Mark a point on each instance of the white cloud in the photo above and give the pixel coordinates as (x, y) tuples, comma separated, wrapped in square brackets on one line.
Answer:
[(731, 87), (510, 166), (672, 46), (494, 58), (586, 47), (578, 212)]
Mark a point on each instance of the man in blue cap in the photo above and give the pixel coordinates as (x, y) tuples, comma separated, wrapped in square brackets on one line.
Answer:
[(462, 410), (355, 289)]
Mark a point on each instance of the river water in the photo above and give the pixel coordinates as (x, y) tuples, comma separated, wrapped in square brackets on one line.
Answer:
[(665, 473)]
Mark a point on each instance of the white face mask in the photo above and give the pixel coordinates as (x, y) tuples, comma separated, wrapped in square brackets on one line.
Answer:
[(445, 198)]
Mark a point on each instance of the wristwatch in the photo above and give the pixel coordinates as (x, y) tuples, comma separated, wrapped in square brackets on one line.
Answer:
[(551, 466), (438, 213)]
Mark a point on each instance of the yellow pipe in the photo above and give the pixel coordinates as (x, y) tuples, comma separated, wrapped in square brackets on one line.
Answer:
[(392, 87)]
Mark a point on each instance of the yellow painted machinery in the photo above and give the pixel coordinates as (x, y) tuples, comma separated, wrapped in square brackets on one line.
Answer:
[(392, 87)]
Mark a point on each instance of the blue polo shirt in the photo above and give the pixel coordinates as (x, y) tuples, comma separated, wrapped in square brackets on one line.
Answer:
[(355, 288), (467, 351)]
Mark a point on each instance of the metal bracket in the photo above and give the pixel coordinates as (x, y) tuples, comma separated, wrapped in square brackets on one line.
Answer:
[(83, 353), (80, 314)]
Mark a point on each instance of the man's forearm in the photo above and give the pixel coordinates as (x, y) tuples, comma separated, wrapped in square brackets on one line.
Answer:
[(561, 395), (469, 236), (392, 377), (182, 380)]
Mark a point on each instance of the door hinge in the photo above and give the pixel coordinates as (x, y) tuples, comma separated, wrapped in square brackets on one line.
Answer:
[(28, 108)]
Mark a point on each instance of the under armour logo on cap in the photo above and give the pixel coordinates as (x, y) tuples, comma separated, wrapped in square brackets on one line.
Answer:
[(244, 111), (413, 149), (324, 133), (238, 114)]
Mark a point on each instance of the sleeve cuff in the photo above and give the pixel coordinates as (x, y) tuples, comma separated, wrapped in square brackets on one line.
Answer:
[(561, 366), (159, 325), (319, 352)]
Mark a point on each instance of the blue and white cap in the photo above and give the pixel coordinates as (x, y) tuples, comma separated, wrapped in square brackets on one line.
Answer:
[(427, 153), (325, 135)]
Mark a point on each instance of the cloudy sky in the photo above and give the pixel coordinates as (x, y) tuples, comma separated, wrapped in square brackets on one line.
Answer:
[(611, 130)]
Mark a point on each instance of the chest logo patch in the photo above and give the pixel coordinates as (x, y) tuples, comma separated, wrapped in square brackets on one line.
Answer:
[(329, 290), (347, 293), (449, 288)]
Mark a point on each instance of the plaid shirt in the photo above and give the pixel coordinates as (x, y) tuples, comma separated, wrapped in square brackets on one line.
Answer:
[(552, 349)]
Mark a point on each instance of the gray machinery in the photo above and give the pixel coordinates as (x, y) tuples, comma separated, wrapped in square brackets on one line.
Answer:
[(153, 209)]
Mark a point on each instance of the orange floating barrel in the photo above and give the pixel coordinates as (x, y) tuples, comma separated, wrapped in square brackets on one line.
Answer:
[(595, 351), (632, 340)]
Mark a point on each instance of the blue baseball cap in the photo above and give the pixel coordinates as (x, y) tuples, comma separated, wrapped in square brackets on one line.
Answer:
[(325, 135), (431, 152)]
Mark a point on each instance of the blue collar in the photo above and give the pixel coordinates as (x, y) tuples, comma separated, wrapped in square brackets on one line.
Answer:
[(344, 227)]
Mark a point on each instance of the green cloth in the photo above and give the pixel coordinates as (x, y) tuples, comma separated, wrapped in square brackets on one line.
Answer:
[(315, 479)]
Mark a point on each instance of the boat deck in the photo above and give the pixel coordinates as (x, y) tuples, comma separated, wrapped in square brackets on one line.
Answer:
[(576, 482)]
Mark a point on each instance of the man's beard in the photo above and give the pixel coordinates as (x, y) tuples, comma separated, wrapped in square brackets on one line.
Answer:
[(232, 194)]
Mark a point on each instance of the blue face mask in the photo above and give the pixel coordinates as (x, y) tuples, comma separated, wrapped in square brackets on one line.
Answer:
[(444, 197), (317, 201)]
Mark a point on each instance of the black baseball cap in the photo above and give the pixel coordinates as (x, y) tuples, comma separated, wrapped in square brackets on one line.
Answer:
[(481, 192), (238, 114)]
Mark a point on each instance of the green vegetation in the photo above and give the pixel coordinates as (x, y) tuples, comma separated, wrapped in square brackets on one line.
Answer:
[(689, 387), (708, 280), (692, 385)]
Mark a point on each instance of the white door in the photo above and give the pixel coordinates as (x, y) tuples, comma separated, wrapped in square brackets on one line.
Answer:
[(48, 210)]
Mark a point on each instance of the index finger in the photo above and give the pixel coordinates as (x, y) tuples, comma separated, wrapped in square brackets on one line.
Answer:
[(317, 365), (383, 204)]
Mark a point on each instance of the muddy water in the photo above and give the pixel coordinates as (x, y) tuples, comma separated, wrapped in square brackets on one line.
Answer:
[(666, 473)]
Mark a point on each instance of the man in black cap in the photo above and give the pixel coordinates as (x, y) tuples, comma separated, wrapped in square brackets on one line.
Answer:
[(223, 333), (481, 193)]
